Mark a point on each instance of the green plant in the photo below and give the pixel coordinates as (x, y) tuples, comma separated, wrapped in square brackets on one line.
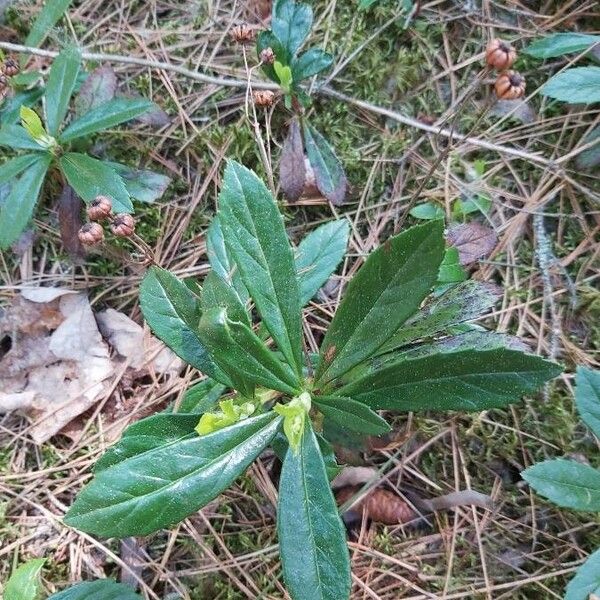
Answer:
[(56, 144), (278, 49), (578, 85), (379, 353), (571, 484), (24, 584)]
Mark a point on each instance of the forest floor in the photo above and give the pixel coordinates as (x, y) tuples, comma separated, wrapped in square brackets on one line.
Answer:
[(546, 219)]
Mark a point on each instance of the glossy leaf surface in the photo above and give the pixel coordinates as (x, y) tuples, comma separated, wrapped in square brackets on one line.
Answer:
[(318, 255), (387, 289), (172, 311), (350, 414), (461, 303), (216, 293), (90, 178), (312, 539), (103, 589), (163, 486), (15, 137), (109, 114), (310, 63), (291, 22), (143, 185), (151, 433), (567, 483), (256, 239), (59, 89), (19, 204), (467, 380), (587, 397), (243, 355), (201, 397)]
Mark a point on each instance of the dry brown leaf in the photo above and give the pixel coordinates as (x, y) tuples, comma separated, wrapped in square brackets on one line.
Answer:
[(473, 241), (352, 476), (70, 221), (379, 505), (292, 170)]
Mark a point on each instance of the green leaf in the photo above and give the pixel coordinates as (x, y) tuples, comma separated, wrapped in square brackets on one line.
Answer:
[(110, 114), (329, 173), (221, 262), (467, 380), (387, 290), (427, 211), (318, 255), (580, 85), (33, 125), (587, 397), (464, 302), (61, 83), (256, 239), (243, 356), (476, 203), (201, 397), (19, 204), (173, 313), (567, 483), (103, 589), (310, 63), (331, 465), (142, 185), (49, 16), (291, 22), (90, 177), (284, 75), (11, 107), (163, 486), (586, 582), (451, 270), (312, 539), (216, 293), (349, 414), (559, 44), (17, 138), (24, 583), (149, 434), (15, 166)]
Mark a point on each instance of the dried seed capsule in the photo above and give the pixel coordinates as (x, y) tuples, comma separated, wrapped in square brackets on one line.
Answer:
[(91, 234), (11, 67), (264, 98), (500, 55), (242, 34), (510, 85), (123, 225), (99, 209), (267, 56)]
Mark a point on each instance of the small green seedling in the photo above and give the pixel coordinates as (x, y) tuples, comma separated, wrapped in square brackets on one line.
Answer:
[(291, 23), (380, 352), (571, 484), (59, 145)]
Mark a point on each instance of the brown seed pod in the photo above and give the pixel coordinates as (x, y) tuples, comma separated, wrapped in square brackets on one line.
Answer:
[(379, 505), (500, 55), (264, 98), (242, 34), (100, 208), (123, 225), (91, 234), (267, 56), (510, 85), (10, 67)]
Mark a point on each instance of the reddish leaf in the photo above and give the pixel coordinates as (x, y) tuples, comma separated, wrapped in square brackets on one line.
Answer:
[(473, 241), (379, 505), (292, 170), (69, 218), (98, 88)]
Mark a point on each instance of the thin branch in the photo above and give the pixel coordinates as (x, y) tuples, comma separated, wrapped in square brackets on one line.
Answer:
[(323, 91)]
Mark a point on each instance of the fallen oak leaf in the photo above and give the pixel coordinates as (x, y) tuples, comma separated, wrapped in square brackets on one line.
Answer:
[(472, 240)]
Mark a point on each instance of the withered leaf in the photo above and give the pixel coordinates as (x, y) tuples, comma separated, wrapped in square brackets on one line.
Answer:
[(472, 240), (69, 219), (292, 170), (98, 88)]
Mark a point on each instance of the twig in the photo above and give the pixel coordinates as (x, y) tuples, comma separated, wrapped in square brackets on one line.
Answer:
[(323, 91)]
